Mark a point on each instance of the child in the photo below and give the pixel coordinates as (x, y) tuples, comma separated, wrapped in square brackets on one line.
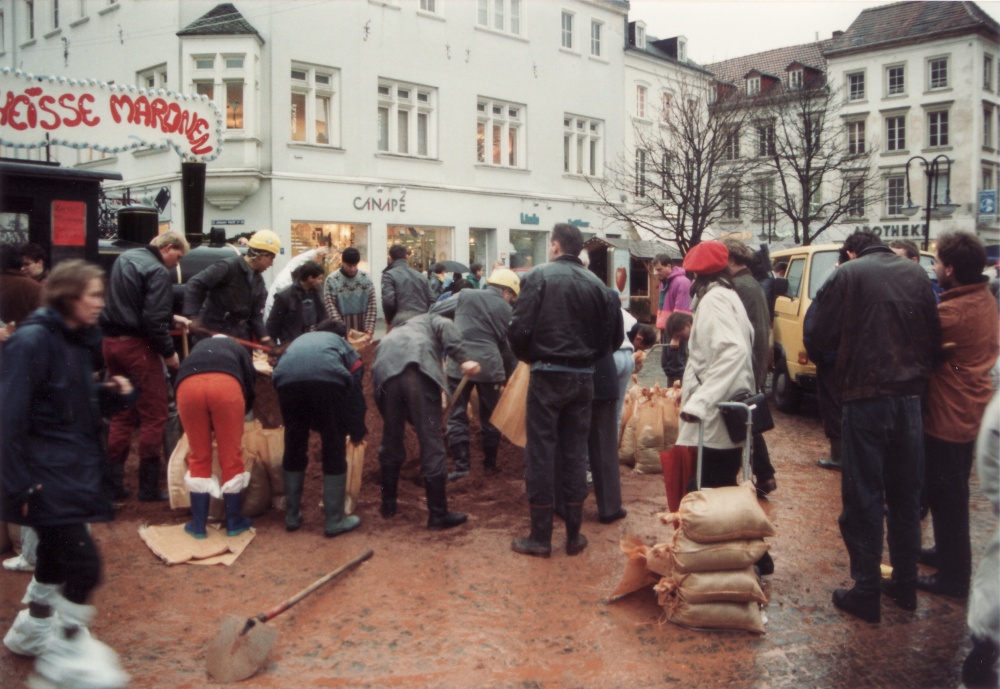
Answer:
[(675, 356)]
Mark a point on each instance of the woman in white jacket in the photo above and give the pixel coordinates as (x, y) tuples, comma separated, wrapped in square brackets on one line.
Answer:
[(718, 364)]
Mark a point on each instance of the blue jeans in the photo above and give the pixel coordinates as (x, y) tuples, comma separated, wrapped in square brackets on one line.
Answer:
[(883, 465)]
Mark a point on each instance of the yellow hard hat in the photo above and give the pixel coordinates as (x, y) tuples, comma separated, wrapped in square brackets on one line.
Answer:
[(505, 277), (265, 240)]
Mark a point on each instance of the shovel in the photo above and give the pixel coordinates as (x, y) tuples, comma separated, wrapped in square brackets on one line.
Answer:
[(241, 646)]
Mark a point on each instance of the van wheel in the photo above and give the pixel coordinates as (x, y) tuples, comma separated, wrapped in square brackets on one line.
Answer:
[(787, 394)]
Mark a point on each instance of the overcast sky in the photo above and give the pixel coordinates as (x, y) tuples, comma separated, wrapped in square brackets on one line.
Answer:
[(722, 30)]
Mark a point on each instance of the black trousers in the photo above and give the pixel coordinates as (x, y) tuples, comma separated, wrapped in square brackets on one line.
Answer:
[(414, 397), (946, 485), (68, 556), (557, 425), (458, 419), (317, 406), (602, 449)]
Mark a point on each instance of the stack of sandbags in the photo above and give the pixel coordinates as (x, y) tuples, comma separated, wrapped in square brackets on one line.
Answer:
[(704, 576), (649, 426)]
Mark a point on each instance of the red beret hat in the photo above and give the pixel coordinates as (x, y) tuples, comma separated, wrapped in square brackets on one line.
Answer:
[(707, 257)]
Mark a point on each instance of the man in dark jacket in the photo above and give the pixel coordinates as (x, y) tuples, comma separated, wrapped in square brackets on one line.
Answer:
[(404, 290), (136, 321), (562, 324), (879, 314), (228, 297), (482, 317), (408, 381), (299, 307), (752, 296)]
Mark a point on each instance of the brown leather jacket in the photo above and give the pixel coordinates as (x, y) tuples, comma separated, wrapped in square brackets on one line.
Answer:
[(960, 386)]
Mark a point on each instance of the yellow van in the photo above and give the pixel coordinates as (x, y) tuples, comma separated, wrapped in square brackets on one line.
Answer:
[(808, 268)]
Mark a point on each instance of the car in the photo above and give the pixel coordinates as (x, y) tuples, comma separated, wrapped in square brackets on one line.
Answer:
[(808, 268)]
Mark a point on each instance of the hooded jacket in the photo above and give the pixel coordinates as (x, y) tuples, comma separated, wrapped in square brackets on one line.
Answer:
[(53, 462)]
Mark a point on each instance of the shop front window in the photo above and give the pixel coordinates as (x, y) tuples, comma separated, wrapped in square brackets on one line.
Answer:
[(310, 234), (482, 247), (528, 248), (424, 245)]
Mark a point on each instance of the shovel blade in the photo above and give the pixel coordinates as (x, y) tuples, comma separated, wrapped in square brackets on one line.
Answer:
[(232, 656)]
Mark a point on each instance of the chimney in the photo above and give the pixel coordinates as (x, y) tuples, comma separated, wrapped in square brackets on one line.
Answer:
[(838, 34)]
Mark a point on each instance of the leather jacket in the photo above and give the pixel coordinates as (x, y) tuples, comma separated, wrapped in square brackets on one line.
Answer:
[(139, 300), (563, 316), (879, 314), (228, 297)]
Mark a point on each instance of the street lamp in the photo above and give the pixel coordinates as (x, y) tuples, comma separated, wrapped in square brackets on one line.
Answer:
[(932, 207)]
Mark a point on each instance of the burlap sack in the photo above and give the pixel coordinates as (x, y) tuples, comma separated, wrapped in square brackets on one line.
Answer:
[(509, 415), (636, 575), (670, 400), (626, 443), (257, 497), (649, 435), (721, 514), (355, 465), (717, 615), (358, 339), (683, 555), (734, 585)]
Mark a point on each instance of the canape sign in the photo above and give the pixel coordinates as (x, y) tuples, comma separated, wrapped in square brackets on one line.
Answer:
[(85, 113)]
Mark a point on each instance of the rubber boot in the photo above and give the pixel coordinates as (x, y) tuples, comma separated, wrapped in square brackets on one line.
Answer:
[(118, 490), (236, 523), (32, 629), (74, 658), (293, 499), (199, 515), (490, 461), (437, 504), (149, 481), (539, 543), (575, 541), (390, 483), (333, 507), (460, 454)]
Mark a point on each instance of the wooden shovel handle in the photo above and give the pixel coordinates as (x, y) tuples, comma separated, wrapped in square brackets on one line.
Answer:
[(454, 398), (282, 607)]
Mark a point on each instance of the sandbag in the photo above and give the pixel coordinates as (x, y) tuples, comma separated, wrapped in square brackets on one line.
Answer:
[(626, 443), (733, 585), (649, 436), (716, 615), (355, 465), (670, 401), (721, 514), (683, 555), (358, 339), (509, 414), (257, 497), (636, 575)]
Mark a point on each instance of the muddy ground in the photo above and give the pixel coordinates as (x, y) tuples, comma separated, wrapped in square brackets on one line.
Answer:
[(458, 609)]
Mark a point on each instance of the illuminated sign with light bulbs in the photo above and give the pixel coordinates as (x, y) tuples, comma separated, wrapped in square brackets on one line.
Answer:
[(85, 113)]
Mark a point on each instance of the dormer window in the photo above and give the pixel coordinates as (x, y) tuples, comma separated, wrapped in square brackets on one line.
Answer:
[(681, 50), (640, 35), (795, 80), (753, 86)]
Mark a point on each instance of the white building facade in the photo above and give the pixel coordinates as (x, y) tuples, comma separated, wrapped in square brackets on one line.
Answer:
[(463, 129)]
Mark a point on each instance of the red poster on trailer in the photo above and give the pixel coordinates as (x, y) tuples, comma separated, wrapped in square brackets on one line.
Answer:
[(69, 223)]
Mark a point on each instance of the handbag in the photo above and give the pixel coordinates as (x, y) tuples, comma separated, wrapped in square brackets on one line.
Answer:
[(735, 419)]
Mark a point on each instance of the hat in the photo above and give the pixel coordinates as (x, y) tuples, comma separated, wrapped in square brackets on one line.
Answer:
[(707, 258)]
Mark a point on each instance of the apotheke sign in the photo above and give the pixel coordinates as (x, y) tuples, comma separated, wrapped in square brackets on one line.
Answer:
[(894, 231)]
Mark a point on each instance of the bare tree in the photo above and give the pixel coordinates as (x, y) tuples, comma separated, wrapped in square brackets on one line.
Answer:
[(822, 170), (682, 175)]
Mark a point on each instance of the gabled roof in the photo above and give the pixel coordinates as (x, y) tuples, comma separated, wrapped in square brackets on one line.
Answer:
[(770, 62), (911, 22), (222, 20), (759, 73)]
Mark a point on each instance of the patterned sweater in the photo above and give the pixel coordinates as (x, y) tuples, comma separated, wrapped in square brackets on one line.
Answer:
[(351, 300)]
